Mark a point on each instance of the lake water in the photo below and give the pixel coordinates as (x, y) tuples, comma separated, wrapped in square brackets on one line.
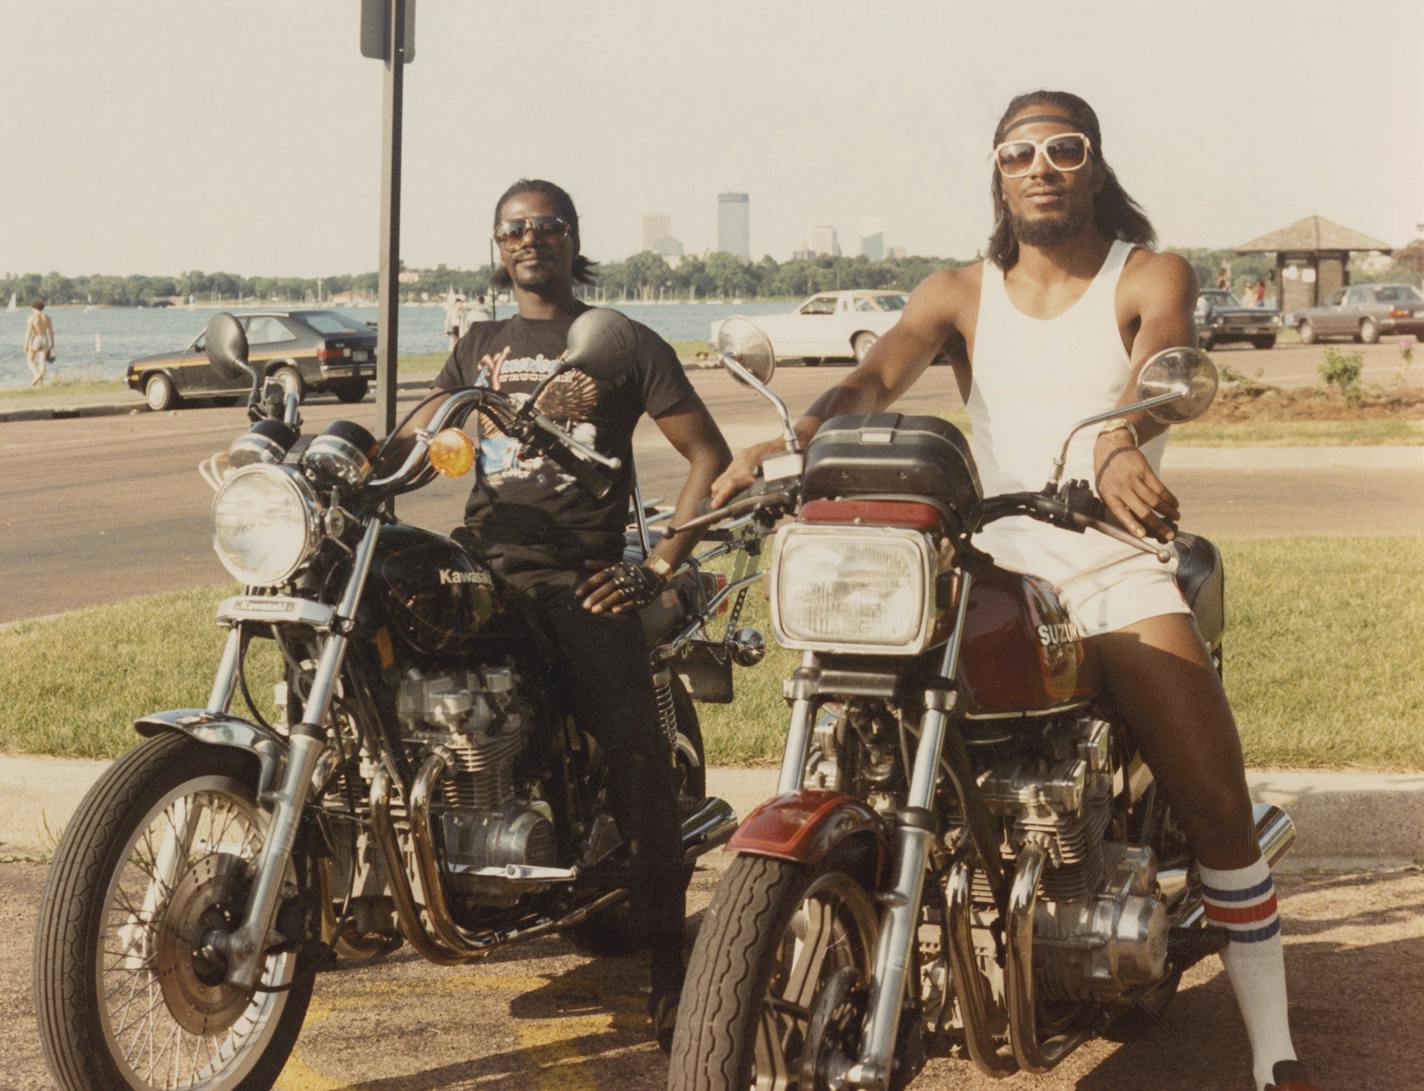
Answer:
[(100, 343)]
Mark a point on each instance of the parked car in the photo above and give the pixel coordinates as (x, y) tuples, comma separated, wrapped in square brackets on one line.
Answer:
[(831, 325), (1221, 318), (1364, 312), (306, 351)]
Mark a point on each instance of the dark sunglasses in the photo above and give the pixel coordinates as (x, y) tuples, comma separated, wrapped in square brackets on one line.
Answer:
[(548, 229), (1065, 151)]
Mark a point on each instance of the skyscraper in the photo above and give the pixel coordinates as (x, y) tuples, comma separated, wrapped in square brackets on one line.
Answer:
[(873, 246), (824, 241), (656, 227), (734, 225)]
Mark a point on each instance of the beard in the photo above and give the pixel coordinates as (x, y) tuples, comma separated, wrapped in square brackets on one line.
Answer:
[(1049, 231)]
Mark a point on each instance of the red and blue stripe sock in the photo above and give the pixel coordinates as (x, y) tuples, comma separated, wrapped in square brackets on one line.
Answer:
[(1243, 901)]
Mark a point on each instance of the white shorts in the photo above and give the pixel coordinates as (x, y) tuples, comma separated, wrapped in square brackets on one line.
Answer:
[(1105, 585)]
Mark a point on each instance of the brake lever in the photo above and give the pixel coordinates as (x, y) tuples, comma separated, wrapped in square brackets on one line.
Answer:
[(736, 507)]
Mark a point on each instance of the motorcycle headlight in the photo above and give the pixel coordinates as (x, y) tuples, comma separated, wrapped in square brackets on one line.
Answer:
[(843, 589), (266, 524)]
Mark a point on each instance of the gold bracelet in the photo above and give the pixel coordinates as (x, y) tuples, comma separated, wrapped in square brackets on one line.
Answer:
[(1119, 423)]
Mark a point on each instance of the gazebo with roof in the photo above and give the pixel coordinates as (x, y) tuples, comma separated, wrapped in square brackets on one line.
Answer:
[(1312, 259)]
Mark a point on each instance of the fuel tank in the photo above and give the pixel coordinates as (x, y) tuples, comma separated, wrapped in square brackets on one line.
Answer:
[(435, 597), (1022, 654)]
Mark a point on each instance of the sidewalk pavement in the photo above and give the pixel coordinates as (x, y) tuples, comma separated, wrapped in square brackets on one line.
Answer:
[(1342, 819)]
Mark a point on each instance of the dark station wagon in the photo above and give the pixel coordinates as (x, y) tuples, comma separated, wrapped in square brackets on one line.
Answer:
[(1222, 318), (305, 351)]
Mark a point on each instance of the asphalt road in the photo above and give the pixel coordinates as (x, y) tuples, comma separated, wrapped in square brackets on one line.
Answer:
[(541, 1018), (98, 509)]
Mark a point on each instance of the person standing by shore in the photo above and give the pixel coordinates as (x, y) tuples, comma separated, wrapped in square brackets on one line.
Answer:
[(39, 341), (455, 320)]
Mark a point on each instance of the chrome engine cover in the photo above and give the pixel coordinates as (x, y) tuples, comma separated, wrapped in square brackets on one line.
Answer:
[(481, 723)]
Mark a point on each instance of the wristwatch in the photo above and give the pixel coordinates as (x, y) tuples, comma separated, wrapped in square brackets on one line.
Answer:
[(1118, 423), (659, 567)]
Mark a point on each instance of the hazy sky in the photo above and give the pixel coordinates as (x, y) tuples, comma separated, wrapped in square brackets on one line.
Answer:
[(161, 135)]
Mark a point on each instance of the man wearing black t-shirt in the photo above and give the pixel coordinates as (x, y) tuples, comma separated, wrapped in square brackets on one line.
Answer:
[(561, 549)]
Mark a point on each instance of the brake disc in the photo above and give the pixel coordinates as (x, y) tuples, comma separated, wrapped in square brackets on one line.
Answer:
[(209, 898), (833, 1035)]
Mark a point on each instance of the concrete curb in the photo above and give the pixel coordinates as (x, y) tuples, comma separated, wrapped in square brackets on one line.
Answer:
[(1371, 818), (91, 405)]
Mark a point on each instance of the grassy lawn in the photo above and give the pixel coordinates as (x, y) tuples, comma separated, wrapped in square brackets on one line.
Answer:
[(1319, 663), (1397, 431)]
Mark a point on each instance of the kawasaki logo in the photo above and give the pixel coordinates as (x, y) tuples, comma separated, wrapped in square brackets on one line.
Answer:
[(455, 575)]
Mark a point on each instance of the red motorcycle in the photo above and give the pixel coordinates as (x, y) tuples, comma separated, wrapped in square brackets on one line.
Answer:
[(966, 854)]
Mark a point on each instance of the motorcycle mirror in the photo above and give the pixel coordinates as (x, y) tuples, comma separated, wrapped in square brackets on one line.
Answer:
[(743, 340), (602, 343), (226, 344), (1178, 369)]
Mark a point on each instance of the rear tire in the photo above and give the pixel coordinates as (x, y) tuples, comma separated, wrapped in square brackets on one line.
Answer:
[(754, 927), (618, 931), (1369, 331), (291, 381), (160, 393), (1307, 332), (116, 915), (350, 391)]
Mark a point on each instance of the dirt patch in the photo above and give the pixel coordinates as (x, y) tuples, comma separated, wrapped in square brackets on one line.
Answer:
[(1251, 401)]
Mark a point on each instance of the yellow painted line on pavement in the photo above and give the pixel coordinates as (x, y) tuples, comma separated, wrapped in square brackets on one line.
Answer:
[(551, 1045)]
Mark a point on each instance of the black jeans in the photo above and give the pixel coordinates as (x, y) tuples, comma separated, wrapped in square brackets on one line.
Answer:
[(610, 692)]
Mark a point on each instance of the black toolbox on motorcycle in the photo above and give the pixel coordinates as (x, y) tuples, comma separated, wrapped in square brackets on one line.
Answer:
[(891, 454)]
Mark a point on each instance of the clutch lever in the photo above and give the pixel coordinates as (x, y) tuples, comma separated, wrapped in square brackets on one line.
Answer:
[(1087, 522)]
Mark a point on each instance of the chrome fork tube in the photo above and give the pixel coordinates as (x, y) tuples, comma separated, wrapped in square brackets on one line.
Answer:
[(245, 947), (225, 684), (894, 951), (798, 739)]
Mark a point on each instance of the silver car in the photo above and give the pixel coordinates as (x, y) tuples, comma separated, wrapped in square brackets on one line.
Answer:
[(1364, 312)]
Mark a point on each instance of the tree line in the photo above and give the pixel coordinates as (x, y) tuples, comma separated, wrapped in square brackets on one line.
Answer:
[(644, 276)]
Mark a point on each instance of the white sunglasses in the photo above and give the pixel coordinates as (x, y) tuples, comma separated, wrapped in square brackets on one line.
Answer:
[(1062, 151)]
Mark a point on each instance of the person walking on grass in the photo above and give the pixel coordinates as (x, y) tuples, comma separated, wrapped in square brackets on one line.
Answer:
[(39, 342)]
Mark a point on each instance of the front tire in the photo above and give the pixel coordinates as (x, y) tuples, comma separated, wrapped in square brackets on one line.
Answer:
[(860, 345), (160, 393), (1264, 342), (158, 853), (773, 938)]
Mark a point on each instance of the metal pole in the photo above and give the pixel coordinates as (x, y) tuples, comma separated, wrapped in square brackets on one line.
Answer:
[(387, 329)]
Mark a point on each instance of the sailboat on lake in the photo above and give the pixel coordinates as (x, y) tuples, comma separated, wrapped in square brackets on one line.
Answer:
[(12, 306)]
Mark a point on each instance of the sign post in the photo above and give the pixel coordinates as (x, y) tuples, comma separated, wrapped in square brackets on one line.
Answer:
[(388, 34)]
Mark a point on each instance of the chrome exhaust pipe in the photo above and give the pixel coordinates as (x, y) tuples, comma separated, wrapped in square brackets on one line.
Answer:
[(1275, 832), (710, 825), (971, 989)]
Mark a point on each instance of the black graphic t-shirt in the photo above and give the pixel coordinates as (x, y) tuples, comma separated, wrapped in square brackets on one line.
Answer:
[(530, 518)]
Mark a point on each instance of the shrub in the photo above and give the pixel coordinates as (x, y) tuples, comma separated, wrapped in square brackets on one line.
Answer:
[(1342, 370)]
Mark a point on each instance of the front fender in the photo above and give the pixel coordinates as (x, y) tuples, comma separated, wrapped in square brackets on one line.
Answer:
[(266, 745), (806, 826)]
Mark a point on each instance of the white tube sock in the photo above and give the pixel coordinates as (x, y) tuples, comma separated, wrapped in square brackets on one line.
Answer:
[(1243, 901)]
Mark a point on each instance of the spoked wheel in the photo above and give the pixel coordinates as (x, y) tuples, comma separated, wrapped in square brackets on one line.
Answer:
[(128, 993), (774, 941)]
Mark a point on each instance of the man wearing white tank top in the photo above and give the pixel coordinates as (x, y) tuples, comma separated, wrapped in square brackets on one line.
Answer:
[(1054, 327)]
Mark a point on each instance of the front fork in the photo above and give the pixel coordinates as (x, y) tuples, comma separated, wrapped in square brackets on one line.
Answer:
[(914, 836), (245, 947)]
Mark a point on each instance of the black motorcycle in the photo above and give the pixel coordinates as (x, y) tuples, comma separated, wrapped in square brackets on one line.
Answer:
[(423, 782)]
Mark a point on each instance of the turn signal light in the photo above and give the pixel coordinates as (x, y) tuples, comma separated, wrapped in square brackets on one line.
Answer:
[(452, 453)]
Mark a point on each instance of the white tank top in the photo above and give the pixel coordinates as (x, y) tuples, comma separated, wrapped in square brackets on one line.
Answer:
[(1032, 380)]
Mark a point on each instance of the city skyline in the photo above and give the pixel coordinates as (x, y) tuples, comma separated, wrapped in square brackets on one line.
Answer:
[(161, 155), (734, 225)]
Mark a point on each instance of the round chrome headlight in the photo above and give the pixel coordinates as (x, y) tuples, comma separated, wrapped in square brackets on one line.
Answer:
[(266, 524)]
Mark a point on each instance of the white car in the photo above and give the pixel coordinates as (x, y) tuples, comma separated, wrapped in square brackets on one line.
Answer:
[(830, 325)]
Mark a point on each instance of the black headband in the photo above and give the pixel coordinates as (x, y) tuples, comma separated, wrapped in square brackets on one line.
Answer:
[(1039, 117)]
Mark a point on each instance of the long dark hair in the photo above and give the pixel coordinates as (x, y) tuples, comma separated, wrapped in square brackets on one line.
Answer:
[(584, 270), (1118, 216)]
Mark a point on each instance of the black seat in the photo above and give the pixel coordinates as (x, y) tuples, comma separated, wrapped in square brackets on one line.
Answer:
[(1203, 584)]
